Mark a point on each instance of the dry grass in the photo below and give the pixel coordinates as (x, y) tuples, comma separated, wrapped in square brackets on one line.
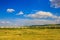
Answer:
[(30, 34)]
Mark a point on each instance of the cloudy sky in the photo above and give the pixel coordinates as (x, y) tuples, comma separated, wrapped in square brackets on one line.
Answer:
[(29, 12)]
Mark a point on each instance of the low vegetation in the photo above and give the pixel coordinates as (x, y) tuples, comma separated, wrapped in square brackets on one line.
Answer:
[(30, 33)]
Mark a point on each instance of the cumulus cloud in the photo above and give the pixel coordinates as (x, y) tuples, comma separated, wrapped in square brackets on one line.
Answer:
[(35, 21), (41, 14), (20, 13), (4, 22), (55, 3), (10, 10), (22, 22)]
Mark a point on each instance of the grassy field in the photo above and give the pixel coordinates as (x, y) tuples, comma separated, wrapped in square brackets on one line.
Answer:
[(29, 34)]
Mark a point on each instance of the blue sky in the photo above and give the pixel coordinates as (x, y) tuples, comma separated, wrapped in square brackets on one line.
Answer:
[(29, 12)]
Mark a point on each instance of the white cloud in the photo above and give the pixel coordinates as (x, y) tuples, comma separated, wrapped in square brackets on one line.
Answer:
[(20, 13), (55, 3), (5, 22), (10, 10), (36, 21), (22, 22), (50, 0), (41, 14)]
